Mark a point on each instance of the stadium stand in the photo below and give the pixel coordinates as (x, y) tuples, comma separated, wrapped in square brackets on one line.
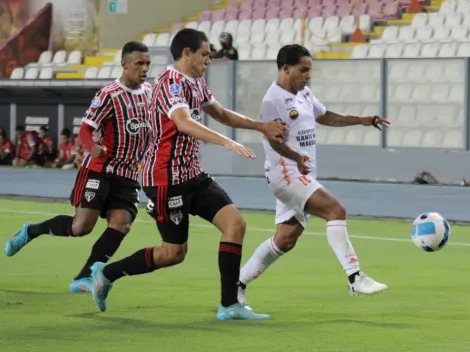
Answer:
[(261, 27), (424, 99)]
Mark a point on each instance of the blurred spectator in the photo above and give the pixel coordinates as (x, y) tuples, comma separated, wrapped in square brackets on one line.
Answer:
[(7, 149), (47, 149), (39, 158), (213, 52), (26, 148), (227, 52), (66, 150)]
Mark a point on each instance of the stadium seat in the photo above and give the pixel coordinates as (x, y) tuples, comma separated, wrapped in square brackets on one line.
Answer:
[(46, 73), (31, 73), (75, 58), (17, 73), (91, 73)]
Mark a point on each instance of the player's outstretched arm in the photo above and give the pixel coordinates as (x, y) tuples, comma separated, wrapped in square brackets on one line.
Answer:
[(287, 152), (334, 119), (274, 130), (185, 124)]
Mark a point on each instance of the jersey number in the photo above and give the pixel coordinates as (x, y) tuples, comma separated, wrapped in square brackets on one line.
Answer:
[(267, 179), (304, 180)]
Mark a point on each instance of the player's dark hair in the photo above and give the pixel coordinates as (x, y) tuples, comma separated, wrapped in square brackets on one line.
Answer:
[(130, 47), (44, 129), (291, 55), (187, 38), (20, 128)]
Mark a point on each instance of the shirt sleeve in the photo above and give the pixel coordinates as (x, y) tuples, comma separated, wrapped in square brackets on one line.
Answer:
[(169, 96), (100, 108), (318, 108), (206, 92), (272, 110)]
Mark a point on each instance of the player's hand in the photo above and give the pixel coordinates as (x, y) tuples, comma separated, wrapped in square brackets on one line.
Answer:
[(275, 131), (375, 121), (97, 151), (240, 149), (301, 164)]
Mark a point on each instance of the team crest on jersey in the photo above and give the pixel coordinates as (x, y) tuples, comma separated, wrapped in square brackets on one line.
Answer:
[(95, 102), (175, 89), (293, 114), (176, 217), (89, 196)]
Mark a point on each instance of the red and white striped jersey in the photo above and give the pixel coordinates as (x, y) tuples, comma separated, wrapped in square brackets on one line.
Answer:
[(123, 115), (172, 157)]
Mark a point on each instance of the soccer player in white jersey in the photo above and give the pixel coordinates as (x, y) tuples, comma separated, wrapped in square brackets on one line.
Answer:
[(291, 173)]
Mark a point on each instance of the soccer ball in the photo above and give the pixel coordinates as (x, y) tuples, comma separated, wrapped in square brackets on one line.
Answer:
[(430, 232)]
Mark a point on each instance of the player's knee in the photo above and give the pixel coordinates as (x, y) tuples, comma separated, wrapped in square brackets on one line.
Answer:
[(286, 242), (82, 228), (337, 212), (238, 228), (287, 235), (174, 255), (123, 228)]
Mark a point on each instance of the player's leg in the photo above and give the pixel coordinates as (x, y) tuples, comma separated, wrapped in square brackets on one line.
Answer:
[(212, 203), (172, 214), (121, 209), (289, 227), (324, 205), (87, 196)]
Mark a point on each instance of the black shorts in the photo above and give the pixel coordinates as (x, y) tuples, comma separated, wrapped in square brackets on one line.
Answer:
[(94, 190), (170, 205)]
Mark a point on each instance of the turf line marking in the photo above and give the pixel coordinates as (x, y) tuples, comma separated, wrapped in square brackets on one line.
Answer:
[(249, 228)]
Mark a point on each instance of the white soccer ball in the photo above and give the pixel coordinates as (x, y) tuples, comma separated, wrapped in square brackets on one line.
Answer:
[(430, 232)]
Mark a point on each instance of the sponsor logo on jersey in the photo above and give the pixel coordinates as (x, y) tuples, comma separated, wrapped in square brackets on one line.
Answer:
[(196, 115), (175, 202), (134, 125), (93, 184)]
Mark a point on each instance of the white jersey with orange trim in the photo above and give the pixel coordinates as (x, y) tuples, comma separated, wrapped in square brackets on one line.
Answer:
[(299, 111), (291, 188)]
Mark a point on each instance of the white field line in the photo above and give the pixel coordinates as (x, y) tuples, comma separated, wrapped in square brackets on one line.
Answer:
[(249, 229)]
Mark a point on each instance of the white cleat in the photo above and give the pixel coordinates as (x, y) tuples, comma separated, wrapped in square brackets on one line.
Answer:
[(364, 285), (242, 298)]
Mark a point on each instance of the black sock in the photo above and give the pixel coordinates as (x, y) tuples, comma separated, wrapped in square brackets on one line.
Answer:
[(141, 262), (352, 277), (242, 285), (103, 249), (230, 256), (59, 226)]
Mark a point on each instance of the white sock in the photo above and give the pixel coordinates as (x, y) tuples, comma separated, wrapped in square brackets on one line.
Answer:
[(266, 254), (339, 241)]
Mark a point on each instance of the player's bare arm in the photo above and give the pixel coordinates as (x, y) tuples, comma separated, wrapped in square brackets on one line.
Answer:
[(86, 138), (334, 119), (272, 130), (287, 152), (185, 124)]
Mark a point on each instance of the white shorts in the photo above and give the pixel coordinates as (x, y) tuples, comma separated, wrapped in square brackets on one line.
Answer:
[(292, 196)]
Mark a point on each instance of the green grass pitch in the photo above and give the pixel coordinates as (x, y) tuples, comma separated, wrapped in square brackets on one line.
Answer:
[(425, 309)]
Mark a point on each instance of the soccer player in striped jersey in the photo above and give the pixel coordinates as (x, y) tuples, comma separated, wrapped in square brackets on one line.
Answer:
[(107, 181), (175, 182)]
